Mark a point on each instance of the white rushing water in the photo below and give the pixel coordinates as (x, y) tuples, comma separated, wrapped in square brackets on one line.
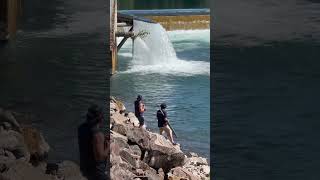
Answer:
[(155, 53)]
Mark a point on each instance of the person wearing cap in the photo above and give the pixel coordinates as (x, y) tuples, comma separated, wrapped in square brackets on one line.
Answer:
[(163, 122), (93, 145), (139, 109)]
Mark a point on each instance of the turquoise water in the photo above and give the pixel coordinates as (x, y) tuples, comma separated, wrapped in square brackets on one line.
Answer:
[(180, 78), (266, 90)]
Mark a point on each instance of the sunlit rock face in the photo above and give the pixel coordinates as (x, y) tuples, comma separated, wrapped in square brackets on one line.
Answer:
[(137, 152)]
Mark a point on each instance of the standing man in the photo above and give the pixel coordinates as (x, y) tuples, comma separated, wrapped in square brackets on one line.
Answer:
[(163, 122), (93, 145), (139, 109)]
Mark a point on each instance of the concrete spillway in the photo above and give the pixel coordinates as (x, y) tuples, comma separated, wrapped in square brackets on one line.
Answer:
[(174, 19)]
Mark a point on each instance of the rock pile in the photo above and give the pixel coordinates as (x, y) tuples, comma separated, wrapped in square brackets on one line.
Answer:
[(137, 153), (24, 151)]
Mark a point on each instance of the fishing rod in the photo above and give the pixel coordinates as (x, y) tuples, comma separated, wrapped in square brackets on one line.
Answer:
[(173, 131)]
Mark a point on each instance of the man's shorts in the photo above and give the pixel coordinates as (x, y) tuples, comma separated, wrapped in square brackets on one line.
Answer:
[(141, 120)]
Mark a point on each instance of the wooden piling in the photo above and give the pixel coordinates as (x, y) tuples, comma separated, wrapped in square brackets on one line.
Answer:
[(10, 10), (113, 38), (12, 17)]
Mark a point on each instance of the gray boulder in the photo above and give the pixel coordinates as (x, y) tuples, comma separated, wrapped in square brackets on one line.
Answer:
[(119, 128), (133, 119), (14, 142), (161, 153), (136, 150), (181, 173), (120, 140), (119, 173), (69, 170), (128, 156), (157, 160), (6, 157), (21, 170), (9, 121)]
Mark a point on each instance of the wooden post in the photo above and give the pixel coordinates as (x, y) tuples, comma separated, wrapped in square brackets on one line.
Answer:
[(12, 17), (113, 38), (10, 11), (3, 19)]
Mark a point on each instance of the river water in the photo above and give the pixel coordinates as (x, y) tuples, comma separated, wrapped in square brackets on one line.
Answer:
[(266, 90), (56, 67), (171, 67)]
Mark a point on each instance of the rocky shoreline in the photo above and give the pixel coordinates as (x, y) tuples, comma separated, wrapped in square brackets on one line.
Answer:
[(24, 153), (134, 153), (140, 154)]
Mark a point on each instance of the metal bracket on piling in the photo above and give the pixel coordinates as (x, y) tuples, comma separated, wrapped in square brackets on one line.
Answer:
[(129, 34)]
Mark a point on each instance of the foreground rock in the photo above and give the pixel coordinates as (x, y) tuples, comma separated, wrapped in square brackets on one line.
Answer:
[(21, 170), (194, 168), (126, 162), (69, 170), (24, 151), (139, 153)]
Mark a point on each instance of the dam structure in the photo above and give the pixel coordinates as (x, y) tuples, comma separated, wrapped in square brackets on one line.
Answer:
[(123, 24)]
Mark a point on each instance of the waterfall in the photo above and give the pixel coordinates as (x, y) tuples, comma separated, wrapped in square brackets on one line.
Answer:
[(155, 53), (153, 49)]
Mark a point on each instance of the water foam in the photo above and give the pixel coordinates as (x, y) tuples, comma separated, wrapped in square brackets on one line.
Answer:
[(179, 68), (155, 54), (198, 35)]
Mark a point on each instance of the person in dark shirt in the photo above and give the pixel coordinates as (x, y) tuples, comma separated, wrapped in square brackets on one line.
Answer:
[(139, 109), (163, 122), (93, 145)]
